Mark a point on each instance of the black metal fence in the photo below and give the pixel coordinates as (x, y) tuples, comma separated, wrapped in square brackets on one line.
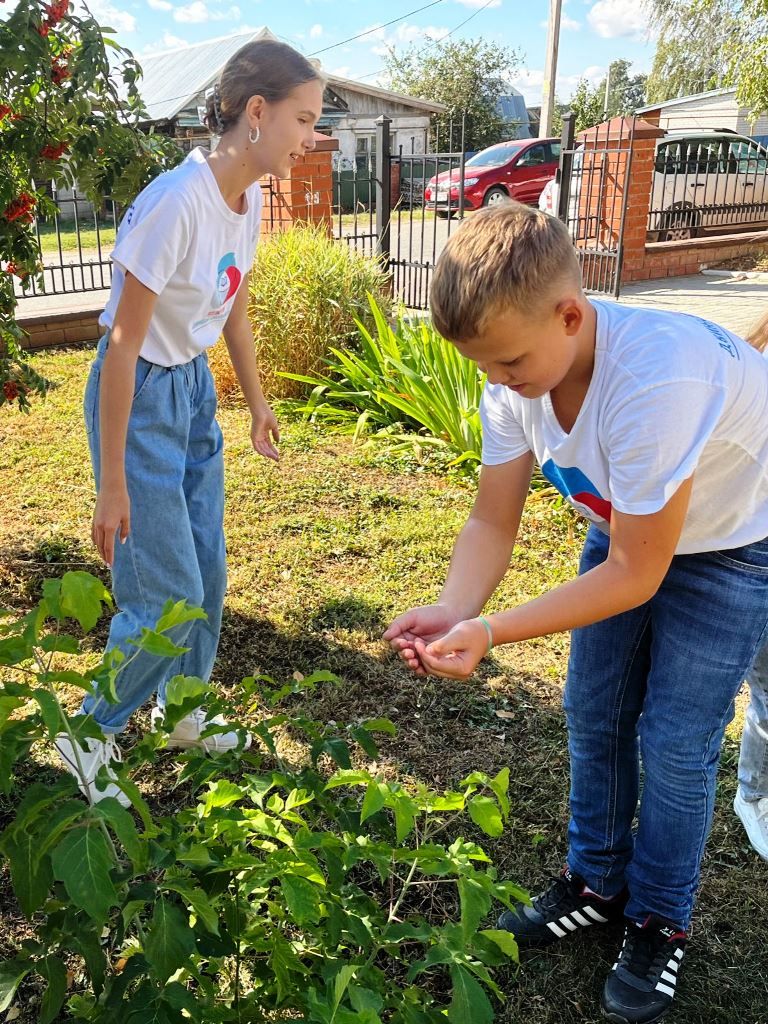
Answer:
[(401, 207), (76, 246), (706, 182), (592, 200)]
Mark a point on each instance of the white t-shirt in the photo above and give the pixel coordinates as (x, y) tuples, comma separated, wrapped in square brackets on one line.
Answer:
[(182, 241), (670, 395)]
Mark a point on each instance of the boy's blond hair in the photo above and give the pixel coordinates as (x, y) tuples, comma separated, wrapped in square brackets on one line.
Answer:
[(758, 336), (508, 255)]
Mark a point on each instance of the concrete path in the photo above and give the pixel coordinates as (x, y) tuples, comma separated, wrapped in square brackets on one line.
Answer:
[(735, 304)]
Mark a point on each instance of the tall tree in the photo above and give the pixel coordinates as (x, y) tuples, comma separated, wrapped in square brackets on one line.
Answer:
[(69, 112), (625, 94), (705, 44), (468, 77)]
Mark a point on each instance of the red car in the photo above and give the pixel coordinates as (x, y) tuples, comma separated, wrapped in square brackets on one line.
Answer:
[(517, 170)]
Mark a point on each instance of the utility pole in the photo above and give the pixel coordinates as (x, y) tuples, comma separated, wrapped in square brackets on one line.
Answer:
[(606, 101), (550, 69)]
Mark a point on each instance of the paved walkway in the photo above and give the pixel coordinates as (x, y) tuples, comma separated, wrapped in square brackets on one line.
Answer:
[(735, 304)]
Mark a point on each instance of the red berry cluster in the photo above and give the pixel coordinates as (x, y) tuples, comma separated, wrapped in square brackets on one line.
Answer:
[(54, 151), (55, 11), (22, 208), (12, 389), (5, 110), (11, 268), (59, 69)]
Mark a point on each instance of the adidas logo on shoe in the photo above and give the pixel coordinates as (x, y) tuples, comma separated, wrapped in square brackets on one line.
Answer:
[(566, 906), (643, 981)]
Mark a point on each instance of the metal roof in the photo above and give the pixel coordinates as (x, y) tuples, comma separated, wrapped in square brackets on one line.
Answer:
[(173, 79), (681, 100)]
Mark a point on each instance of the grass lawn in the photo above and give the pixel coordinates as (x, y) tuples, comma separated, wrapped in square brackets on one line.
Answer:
[(323, 551), (49, 242)]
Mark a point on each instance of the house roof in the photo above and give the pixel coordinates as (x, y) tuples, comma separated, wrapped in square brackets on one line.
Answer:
[(428, 106), (174, 78), (685, 99)]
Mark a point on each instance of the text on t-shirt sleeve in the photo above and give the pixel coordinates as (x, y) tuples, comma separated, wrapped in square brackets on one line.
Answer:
[(156, 240)]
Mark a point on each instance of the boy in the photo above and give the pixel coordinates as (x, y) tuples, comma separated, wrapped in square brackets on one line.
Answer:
[(652, 426)]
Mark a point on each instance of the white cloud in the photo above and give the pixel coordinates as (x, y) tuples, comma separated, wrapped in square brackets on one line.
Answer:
[(343, 72), (107, 14), (192, 14), (404, 35), (316, 31), (197, 12), (160, 5), (569, 24), (612, 19), (169, 42), (530, 81)]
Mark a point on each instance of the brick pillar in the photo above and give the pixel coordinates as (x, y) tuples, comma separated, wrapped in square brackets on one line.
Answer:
[(619, 174), (306, 196)]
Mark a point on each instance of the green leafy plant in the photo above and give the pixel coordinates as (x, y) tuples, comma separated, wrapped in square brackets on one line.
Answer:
[(307, 291), (69, 112), (404, 378), (279, 891)]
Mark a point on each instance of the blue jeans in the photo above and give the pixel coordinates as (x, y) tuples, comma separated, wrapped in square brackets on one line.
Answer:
[(175, 473), (753, 761), (657, 683)]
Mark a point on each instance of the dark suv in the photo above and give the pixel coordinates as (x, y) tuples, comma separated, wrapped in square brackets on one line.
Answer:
[(516, 170)]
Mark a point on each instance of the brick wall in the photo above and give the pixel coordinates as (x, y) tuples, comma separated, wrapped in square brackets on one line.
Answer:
[(73, 328), (600, 199)]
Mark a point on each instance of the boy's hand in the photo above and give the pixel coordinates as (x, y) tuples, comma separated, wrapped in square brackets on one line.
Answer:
[(426, 624), (265, 432), (457, 654)]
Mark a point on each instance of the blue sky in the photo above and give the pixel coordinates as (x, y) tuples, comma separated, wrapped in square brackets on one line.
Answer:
[(593, 33)]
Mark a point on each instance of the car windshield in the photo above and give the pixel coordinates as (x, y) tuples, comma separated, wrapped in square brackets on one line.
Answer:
[(493, 157)]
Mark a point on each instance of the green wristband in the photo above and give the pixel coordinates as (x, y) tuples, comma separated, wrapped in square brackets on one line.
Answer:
[(486, 623)]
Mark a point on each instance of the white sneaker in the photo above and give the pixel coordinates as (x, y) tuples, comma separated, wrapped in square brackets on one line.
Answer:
[(187, 733), (754, 817), (93, 755)]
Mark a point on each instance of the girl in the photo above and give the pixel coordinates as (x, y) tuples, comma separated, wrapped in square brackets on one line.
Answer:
[(751, 803), (182, 258)]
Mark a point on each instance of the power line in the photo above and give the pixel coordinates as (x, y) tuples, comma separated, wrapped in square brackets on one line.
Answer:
[(372, 74), (466, 20), (376, 28)]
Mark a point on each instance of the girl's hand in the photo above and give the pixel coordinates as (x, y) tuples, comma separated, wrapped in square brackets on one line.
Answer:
[(113, 513), (265, 432), (427, 623), (457, 654)]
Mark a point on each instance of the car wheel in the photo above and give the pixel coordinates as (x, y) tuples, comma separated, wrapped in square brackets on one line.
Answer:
[(679, 224), (494, 196)]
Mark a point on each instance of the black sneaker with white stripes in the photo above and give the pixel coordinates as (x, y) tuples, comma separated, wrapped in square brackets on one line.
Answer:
[(642, 984), (566, 906)]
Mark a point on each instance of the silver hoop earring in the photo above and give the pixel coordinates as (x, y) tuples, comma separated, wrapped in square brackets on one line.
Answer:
[(254, 135)]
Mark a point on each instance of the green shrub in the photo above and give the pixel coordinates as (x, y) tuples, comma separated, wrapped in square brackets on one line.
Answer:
[(401, 379), (279, 892), (307, 291)]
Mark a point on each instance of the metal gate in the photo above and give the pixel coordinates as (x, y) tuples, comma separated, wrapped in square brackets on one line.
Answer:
[(593, 179), (381, 208)]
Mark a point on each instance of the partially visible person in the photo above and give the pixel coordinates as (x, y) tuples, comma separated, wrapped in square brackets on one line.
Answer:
[(751, 802)]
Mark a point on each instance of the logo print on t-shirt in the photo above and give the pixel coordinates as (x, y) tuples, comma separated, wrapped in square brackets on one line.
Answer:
[(577, 487), (228, 279)]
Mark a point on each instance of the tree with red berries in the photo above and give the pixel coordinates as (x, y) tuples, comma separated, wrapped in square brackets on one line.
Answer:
[(70, 114)]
